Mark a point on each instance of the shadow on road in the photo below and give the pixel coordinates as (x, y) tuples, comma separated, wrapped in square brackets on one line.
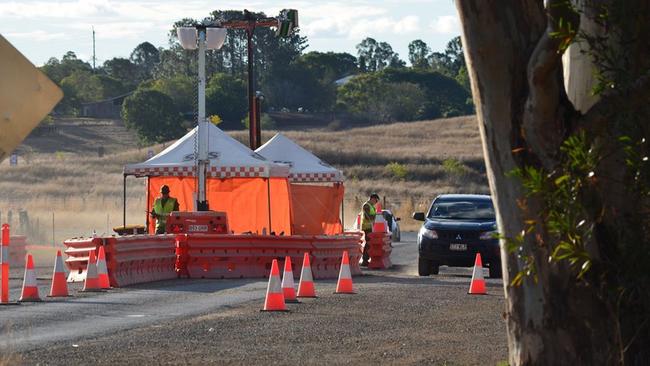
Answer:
[(195, 285)]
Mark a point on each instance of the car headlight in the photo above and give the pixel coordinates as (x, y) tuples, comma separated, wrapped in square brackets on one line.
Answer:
[(488, 235), (428, 233)]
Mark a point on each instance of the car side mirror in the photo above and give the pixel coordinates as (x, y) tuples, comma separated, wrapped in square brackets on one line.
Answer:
[(418, 216), (398, 219)]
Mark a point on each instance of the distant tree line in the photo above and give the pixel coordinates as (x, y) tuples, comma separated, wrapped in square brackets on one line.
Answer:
[(379, 86)]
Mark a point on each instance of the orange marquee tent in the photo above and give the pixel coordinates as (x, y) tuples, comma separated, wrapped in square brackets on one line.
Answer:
[(254, 192), (316, 187)]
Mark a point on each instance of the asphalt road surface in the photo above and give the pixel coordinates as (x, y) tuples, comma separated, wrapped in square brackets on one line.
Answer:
[(396, 317)]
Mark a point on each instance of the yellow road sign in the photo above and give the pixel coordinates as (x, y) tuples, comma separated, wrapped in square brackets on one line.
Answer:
[(26, 97)]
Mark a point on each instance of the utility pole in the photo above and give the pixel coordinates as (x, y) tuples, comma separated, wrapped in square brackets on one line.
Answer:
[(94, 58), (285, 24)]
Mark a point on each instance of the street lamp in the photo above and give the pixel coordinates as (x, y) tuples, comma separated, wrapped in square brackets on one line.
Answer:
[(202, 36)]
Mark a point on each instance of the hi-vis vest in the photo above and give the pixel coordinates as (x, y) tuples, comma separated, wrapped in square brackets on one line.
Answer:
[(366, 222), (161, 210)]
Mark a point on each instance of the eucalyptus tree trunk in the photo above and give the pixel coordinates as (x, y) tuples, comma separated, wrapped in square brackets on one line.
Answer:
[(515, 66)]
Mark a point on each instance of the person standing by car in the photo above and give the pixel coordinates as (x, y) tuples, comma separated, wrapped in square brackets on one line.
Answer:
[(368, 213), (162, 207)]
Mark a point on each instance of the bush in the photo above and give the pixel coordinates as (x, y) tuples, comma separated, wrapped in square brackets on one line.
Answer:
[(452, 166), (397, 170), (335, 125), (152, 115)]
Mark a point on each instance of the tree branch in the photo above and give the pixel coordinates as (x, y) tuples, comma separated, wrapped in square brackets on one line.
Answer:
[(547, 104)]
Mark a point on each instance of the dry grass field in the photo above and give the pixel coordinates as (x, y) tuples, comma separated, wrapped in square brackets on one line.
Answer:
[(61, 176)]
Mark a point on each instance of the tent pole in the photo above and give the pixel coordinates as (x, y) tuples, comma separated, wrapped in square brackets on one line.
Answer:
[(124, 201), (268, 191), (146, 229), (343, 214)]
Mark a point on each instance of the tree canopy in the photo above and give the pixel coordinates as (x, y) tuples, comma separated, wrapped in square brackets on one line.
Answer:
[(152, 115)]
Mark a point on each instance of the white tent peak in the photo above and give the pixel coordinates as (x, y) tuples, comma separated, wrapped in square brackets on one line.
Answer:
[(227, 156), (304, 165)]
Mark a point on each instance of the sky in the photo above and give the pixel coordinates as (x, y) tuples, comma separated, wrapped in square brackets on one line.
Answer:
[(41, 29)]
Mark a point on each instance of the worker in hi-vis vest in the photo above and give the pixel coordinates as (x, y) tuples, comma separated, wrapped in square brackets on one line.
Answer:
[(368, 214), (162, 207)]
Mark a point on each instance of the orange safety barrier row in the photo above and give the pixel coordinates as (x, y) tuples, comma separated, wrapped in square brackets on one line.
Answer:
[(250, 256), (146, 258), (78, 250), (140, 258), (379, 250)]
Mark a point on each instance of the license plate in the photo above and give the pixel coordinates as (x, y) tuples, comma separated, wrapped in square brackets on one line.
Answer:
[(197, 228), (458, 247)]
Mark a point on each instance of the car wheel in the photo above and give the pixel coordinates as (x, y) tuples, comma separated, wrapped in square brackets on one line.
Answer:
[(495, 270), (435, 268), (424, 266)]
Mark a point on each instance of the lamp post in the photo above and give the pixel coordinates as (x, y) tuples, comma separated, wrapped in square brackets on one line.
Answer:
[(202, 36)]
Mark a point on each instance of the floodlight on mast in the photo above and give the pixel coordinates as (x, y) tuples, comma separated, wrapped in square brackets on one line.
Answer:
[(201, 36)]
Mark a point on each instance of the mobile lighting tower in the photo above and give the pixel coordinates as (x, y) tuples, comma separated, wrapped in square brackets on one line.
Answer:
[(202, 36)]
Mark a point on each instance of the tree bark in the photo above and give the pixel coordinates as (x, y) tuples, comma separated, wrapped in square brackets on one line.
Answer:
[(524, 115)]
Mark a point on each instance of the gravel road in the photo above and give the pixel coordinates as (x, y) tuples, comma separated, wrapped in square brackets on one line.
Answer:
[(396, 318)]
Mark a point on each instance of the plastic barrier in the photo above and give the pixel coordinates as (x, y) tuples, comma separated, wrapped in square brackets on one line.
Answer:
[(250, 256), (379, 250), (77, 250), (140, 258), (135, 259)]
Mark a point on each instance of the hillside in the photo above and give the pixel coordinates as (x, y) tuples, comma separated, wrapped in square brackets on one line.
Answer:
[(61, 173)]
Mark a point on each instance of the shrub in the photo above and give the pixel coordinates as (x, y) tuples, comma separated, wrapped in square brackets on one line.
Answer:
[(397, 170), (335, 125), (452, 166)]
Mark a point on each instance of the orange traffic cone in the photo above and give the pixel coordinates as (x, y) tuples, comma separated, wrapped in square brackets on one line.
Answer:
[(477, 287), (274, 296), (30, 287), (59, 284), (91, 284), (306, 285), (344, 286), (288, 290), (102, 271)]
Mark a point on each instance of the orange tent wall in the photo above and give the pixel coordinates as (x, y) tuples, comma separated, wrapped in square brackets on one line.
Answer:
[(181, 188), (246, 202), (316, 209)]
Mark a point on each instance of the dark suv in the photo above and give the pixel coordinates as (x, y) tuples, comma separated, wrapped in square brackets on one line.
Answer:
[(457, 227)]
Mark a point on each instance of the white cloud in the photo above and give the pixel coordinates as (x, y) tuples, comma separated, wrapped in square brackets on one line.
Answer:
[(408, 24), (353, 21), (446, 24), (56, 9), (37, 35)]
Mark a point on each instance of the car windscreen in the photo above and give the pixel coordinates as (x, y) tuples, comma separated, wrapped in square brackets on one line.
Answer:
[(462, 210)]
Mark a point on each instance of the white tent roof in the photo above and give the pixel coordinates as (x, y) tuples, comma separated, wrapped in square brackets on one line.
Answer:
[(228, 159), (305, 166)]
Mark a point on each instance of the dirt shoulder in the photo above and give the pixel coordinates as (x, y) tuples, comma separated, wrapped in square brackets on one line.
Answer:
[(394, 319)]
